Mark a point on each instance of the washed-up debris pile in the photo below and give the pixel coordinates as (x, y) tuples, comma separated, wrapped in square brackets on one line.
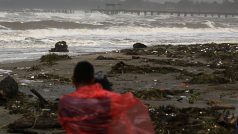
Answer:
[(45, 76), (42, 120), (171, 120), (52, 58), (21, 104), (174, 62), (187, 96), (104, 58), (37, 114), (122, 67), (208, 78), (216, 55), (155, 94)]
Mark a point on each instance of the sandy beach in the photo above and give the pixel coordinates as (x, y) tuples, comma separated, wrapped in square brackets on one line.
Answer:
[(187, 76)]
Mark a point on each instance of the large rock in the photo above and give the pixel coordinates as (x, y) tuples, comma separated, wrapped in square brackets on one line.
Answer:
[(60, 46), (8, 88), (139, 45)]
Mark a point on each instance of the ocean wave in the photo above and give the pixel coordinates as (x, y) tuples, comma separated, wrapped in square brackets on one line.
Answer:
[(107, 33), (3, 14), (3, 27), (210, 24), (63, 20), (86, 40), (119, 31), (29, 35), (46, 24)]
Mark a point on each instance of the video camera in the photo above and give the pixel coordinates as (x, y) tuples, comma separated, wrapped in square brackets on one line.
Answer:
[(102, 79)]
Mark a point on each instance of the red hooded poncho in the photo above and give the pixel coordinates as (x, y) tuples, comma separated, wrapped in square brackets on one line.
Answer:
[(93, 110)]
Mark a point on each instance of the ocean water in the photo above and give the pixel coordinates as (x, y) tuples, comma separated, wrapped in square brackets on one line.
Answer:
[(26, 35)]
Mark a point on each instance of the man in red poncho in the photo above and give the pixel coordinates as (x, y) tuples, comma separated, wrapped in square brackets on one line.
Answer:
[(93, 110)]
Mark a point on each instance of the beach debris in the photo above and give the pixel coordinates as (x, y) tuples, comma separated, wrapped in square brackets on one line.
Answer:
[(231, 73), (25, 82), (135, 57), (37, 120), (135, 52), (169, 96), (213, 102), (169, 119), (53, 77), (42, 100), (160, 51), (193, 97), (21, 104), (208, 78), (139, 45), (223, 106), (30, 69), (122, 67), (60, 46), (34, 68), (39, 114), (104, 58), (218, 105), (227, 119), (175, 62), (155, 94), (180, 98), (52, 58), (8, 88)]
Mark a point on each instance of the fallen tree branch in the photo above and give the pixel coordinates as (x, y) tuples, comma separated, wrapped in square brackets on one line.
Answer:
[(42, 100)]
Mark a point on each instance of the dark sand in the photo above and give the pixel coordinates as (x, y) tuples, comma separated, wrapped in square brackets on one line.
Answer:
[(224, 93)]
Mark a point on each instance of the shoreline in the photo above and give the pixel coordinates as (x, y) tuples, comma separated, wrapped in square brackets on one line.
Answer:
[(128, 47)]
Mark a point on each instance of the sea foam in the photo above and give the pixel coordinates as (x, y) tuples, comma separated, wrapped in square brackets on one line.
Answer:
[(21, 37)]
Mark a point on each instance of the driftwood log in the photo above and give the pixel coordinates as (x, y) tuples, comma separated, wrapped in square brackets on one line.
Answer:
[(43, 101), (43, 119), (37, 122)]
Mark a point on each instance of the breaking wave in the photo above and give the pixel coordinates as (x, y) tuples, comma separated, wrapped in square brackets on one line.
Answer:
[(28, 35)]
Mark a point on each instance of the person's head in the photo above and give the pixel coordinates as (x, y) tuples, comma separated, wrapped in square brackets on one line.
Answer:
[(83, 74)]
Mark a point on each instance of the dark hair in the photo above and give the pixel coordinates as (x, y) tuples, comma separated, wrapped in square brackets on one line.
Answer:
[(83, 73)]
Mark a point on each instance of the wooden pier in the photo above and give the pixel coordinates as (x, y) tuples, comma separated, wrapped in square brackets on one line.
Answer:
[(65, 11), (170, 12)]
